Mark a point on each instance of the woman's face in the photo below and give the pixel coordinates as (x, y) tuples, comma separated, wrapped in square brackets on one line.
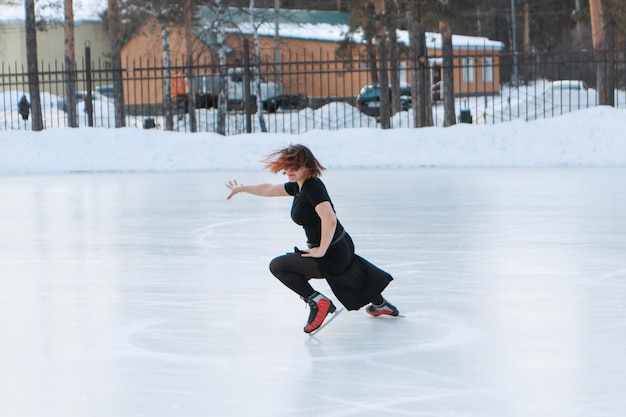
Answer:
[(296, 175)]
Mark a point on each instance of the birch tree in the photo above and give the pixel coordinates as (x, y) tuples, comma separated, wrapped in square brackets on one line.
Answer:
[(168, 113), (113, 19), (167, 13), (222, 52)]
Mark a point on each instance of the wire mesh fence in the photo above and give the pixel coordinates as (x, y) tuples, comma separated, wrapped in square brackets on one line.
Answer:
[(300, 94)]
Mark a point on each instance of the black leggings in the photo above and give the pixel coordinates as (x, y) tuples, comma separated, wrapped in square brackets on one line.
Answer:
[(295, 271)]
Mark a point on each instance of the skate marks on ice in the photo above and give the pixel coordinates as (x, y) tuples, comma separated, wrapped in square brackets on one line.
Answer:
[(366, 337), (201, 336)]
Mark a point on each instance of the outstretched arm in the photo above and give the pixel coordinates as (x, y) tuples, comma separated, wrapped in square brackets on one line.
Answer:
[(263, 190)]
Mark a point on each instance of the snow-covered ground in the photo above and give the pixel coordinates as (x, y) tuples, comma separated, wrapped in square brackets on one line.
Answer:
[(592, 137)]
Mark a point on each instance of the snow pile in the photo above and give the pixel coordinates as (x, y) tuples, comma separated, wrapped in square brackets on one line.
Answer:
[(592, 137)]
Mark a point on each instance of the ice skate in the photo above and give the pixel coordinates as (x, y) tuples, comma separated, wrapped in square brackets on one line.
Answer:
[(320, 307), (386, 308)]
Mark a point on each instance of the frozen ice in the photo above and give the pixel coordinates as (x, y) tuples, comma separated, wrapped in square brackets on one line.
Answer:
[(148, 294)]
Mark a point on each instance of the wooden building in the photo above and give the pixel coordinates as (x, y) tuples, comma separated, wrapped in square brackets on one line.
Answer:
[(306, 62)]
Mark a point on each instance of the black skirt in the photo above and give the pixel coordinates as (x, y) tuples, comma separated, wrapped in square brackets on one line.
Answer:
[(354, 280)]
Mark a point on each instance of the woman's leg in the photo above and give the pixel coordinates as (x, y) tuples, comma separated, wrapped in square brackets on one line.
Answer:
[(295, 271)]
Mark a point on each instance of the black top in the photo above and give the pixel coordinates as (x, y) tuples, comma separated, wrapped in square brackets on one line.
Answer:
[(354, 280), (303, 208)]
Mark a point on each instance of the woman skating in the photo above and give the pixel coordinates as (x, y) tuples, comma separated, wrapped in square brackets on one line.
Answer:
[(330, 254)]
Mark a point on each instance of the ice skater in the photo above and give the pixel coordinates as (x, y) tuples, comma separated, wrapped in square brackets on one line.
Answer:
[(330, 254)]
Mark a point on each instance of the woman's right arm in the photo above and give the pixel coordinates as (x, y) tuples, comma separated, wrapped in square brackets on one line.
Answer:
[(263, 190)]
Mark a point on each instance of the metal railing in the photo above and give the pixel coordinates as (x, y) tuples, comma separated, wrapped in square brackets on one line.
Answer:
[(320, 93)]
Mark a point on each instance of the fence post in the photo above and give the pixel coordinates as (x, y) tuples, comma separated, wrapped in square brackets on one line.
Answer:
[(89, 98)]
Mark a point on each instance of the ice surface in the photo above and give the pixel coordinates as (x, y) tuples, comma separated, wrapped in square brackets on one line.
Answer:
[(149, 295)]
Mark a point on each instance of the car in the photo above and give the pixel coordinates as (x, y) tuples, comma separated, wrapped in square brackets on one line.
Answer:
[(106, 90), (80, 97), (567, 95), (368, 100), (556, 87)]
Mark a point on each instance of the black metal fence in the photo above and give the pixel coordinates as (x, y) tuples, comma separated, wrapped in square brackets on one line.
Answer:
[(318, 94)]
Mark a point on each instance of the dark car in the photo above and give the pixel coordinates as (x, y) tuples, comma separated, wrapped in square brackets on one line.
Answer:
[(81, 96), (368, 100), (106, 90)]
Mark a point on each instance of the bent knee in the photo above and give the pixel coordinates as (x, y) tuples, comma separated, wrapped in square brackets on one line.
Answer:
[(277, 265)]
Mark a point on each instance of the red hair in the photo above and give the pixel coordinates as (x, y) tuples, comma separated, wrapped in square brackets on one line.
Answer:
[(294, 157)]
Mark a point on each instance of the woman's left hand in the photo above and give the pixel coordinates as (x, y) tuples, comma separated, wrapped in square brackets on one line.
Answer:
[(313, 253)]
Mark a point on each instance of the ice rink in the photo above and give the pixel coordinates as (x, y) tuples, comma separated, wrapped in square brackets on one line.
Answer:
[(132, 295)]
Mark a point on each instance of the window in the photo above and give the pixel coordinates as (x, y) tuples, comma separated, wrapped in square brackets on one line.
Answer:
[(468, 69), (488, 69)]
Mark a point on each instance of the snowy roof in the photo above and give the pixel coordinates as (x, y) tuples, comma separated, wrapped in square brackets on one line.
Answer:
[(318, 25), (336, 33), (12, 11), (325, 27)]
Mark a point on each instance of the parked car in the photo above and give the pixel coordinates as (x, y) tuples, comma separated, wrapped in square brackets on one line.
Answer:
[(555, 87), (567, 95), (106, 90), (80, 97), (368, 100)]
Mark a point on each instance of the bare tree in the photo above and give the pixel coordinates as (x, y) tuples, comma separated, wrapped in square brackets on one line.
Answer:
[(168, 105), (601, 51), (421, 84), (447, 78), (70, 64), (363, 17), (189, 72), (256, 64), (385, 104), (222, 52), (113, 18), (390, 20), (33, 72)]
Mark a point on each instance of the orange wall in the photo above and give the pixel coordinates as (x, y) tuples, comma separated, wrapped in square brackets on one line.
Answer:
[(310, 66)]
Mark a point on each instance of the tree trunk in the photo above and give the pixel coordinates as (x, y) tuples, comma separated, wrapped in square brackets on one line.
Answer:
[(372, 61), (33, 72), (189, 73), (391, 13), (116, 63), (421, 85), (256, 63), (601, 53), (394, 70), (70, 66), (167, 78), (276, 33), (385, 105), (222, 101), (447, 79)]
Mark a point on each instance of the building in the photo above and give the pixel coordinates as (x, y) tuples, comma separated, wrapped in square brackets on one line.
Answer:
[(306, 53)]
